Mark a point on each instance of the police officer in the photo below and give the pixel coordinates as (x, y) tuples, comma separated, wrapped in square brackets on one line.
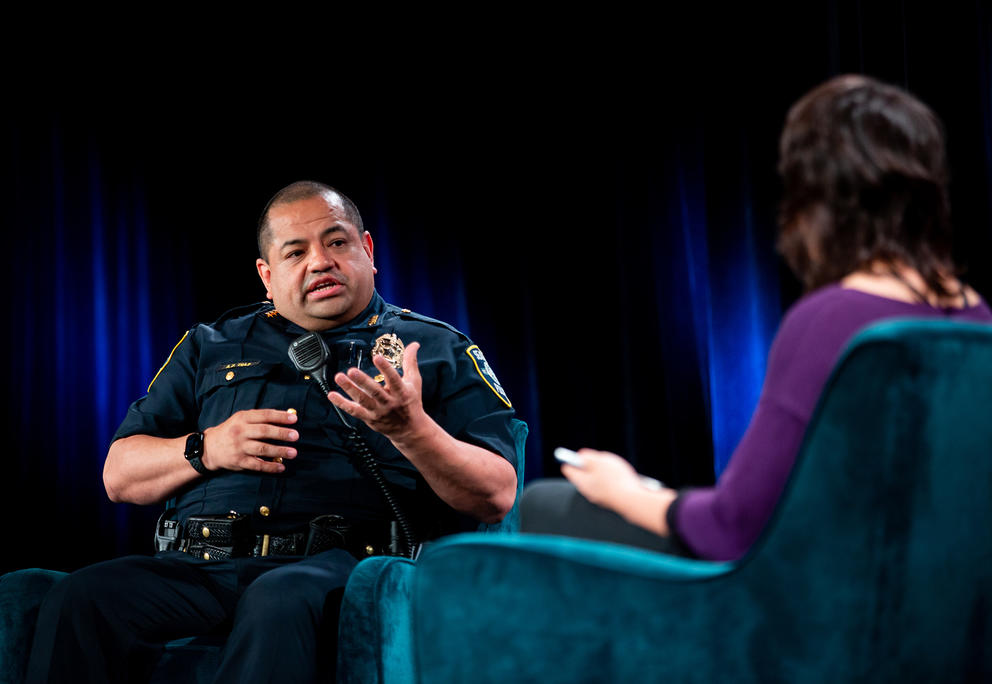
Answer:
[(232, 430)]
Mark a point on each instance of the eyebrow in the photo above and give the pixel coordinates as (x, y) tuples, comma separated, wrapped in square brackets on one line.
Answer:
[(336, 228)]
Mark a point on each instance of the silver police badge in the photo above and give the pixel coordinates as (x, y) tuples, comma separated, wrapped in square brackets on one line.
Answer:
[(391, 348)]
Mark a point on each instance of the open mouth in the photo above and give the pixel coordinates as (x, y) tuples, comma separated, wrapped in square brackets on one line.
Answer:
[(324, 287)]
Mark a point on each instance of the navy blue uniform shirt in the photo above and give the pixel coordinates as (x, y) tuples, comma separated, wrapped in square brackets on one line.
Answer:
[(241, 362)]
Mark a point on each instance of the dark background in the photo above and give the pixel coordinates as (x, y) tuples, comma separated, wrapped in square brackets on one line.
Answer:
[(592, 199)]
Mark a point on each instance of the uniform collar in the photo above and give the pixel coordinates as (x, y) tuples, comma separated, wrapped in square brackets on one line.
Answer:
[(370, 316)]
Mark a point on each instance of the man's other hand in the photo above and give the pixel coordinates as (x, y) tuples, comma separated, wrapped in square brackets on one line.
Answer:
[(242, 441)]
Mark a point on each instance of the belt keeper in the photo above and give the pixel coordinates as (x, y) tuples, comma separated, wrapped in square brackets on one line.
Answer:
[(265, 545)]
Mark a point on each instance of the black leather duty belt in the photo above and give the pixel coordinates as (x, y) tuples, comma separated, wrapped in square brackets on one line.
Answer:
[(220, 537), (258, 545)]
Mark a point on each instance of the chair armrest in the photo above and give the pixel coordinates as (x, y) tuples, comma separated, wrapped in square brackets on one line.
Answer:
[(374, 642), (542, 608), (21, 594)]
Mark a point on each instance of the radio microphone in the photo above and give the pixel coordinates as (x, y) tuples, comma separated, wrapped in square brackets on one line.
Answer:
[(309, 354)]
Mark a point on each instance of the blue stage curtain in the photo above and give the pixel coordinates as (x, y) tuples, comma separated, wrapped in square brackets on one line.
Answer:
[(93, 304), (609, 243)]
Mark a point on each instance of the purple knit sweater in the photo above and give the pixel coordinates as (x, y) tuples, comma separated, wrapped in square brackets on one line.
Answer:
[(722, 522)]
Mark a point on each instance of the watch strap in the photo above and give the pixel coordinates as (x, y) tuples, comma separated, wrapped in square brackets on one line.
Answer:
[(194, 453)]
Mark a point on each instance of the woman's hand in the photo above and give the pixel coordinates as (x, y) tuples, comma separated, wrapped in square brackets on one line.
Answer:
[(604, 479), (609, 481)]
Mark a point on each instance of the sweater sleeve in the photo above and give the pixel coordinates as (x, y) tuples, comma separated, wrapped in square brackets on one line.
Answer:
[(722, 522)]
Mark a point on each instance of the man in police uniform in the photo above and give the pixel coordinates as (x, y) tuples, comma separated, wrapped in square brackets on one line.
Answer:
[(230, 425)]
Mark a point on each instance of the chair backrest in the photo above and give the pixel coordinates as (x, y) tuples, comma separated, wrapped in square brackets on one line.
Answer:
[(511, 521), (880, 552)]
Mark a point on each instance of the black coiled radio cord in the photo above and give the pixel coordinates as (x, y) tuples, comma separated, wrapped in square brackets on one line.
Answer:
[(368, 464), (309, 354)]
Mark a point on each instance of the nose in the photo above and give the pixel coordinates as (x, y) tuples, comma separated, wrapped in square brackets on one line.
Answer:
[(320, 259)]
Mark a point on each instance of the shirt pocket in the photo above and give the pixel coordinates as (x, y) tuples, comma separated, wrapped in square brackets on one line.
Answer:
[(237, 386)]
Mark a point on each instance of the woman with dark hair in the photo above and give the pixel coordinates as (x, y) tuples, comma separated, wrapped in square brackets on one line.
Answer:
[(865, 224)]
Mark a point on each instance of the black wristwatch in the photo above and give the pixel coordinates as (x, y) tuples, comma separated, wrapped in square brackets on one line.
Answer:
[(194, 453)]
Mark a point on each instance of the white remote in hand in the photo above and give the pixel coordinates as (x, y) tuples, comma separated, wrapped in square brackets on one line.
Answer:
[(568, 456)]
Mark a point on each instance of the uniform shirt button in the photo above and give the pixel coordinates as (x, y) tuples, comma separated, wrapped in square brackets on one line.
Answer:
[(264, 511), (229, 376)]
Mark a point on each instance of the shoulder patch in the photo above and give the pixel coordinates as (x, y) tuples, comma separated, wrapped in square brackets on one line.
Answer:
[(487, 374)]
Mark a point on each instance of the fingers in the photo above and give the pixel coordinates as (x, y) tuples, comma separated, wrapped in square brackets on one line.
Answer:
[(361, 387), (387, 407), (267, 451), (244, 441), (411, 367), (355, 379), (260, 431), (263, 466), (579, 477), (263, 457), (350, 407), (389, 373), (252, 435), (592, 457), (594, 453), (269, 416)]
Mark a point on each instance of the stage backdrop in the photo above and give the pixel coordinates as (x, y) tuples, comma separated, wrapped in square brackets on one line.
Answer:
[(601, 225)]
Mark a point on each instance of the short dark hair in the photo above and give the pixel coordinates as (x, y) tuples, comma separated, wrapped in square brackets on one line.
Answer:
[(301, 190), (865, 177)]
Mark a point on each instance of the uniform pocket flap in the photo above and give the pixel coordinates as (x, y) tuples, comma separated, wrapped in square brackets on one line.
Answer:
[(235, 372)]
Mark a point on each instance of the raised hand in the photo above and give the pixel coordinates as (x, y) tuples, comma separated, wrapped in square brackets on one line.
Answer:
[(393, 408)]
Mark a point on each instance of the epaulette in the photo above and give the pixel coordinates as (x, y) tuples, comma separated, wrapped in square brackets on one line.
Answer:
[(259, 308), (406, 314)]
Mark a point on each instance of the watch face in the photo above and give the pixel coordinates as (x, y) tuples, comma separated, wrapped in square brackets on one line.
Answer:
[(194, 451), (194, 445)]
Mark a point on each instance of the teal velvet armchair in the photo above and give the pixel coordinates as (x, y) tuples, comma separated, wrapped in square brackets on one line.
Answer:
[(375, 639), (876, 567), (375, 617)]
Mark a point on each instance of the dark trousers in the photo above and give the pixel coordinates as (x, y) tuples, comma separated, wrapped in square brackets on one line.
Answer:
[(108, 622), (555, 506)]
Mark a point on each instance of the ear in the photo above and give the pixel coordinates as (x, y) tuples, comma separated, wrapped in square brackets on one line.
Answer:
[(265, 273), (367, 245)]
